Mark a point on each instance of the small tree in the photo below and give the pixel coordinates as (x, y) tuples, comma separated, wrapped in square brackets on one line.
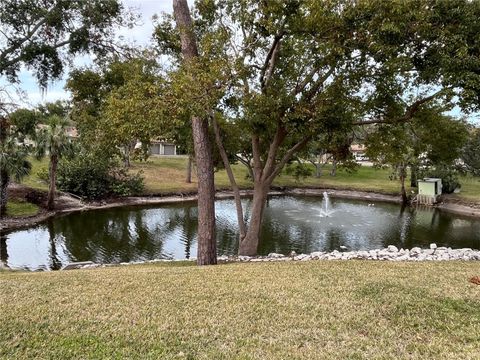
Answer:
[(13, 163), (54, 142)]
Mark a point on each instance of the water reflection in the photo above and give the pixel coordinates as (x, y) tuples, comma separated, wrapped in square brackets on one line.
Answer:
[(291, 223)]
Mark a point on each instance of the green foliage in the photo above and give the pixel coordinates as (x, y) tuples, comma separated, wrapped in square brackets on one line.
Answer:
[(124, 184), (120, 104), (41, 35), (279, 68), (13, 160), (430, 140), (53, 139), (471, 153), (25, 121), (298, 170), (96, 176)]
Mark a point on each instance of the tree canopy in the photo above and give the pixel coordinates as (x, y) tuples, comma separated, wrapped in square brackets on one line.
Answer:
[(42, 35), (286, 71)]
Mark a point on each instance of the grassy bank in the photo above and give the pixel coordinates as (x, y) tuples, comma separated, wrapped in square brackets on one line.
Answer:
[(16, 208), (167, 174), (313, 310)]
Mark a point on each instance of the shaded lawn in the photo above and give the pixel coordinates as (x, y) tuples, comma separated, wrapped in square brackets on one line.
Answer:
[(310, 310), (19, 208)]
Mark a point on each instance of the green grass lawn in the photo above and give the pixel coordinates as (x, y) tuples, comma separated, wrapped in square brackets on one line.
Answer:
[(16, 208), (310, 310), (32, 180), (167, 174)]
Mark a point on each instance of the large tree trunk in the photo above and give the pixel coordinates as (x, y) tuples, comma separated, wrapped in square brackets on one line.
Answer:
[(4, 180), (188, 177), (249, 245), (52, 186), (206, 246)]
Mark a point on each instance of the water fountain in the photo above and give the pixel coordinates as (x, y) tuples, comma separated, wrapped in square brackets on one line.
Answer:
[(325, 210)]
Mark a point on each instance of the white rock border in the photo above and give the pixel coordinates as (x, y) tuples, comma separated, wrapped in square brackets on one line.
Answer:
[(391, 253)]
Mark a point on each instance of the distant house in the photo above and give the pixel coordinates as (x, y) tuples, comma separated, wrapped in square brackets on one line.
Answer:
[(71, 132), (358, 151), (162, 147)]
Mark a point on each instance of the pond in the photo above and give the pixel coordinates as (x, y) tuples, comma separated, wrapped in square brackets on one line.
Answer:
[(301, 224)]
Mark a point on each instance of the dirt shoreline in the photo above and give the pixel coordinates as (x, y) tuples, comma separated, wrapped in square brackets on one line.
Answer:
[(70, 205)]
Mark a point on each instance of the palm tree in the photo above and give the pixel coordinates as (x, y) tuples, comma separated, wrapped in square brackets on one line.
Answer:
[(13, 163), (53, 141)]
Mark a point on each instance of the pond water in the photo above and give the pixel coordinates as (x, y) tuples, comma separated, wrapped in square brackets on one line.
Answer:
[(302, 224)]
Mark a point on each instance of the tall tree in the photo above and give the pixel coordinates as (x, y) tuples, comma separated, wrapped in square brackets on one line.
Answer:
[(53, 140), (207, 247), (431, 139), (25, 121), (13, 162), (135, 112), (288, 67)]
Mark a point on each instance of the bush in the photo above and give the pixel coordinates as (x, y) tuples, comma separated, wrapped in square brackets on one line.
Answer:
[(124, 184), (298, 170), (94, 176)]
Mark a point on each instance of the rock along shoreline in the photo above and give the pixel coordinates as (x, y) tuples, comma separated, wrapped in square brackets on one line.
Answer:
[(390, 253)]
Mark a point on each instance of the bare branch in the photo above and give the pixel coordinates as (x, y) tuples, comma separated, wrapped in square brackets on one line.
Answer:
[(309, 78), (270, 60), (231, 177), (318, 83), (280, 135), (288, 155)]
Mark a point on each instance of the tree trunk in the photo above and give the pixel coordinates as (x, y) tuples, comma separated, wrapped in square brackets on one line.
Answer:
[(318, 167), (249, 245), (188, 177), (52, 185), (413, 175), (206, 246), (333, 172), (236, 191), (4, 180), (403, 175)]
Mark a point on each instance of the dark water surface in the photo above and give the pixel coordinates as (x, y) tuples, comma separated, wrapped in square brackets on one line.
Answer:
[(291, 223)]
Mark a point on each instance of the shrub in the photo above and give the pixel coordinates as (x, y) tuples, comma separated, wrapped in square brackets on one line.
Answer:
[(298, 170), (124, 184), (94, 176)]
